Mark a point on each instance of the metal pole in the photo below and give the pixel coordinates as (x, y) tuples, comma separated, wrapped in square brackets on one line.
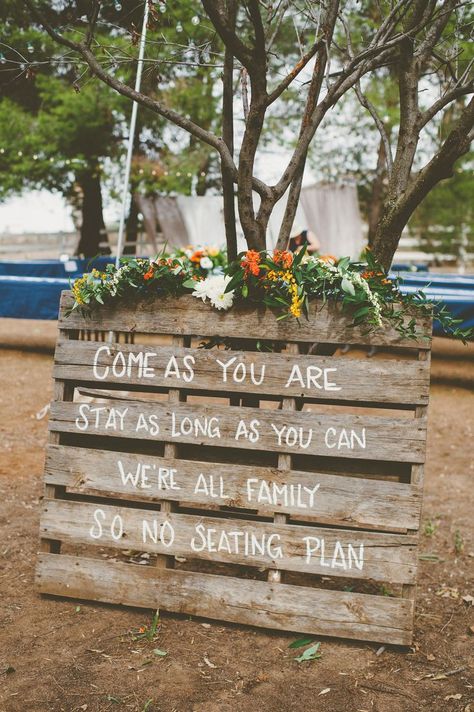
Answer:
[(131, 136)]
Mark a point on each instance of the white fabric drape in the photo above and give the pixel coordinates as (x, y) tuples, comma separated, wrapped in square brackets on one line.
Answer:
[(330, 211)]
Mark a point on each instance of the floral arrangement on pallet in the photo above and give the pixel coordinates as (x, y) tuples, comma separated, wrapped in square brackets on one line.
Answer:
[(280, 280)]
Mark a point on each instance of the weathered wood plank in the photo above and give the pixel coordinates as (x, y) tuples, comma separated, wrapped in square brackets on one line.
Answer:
[(333, 378), (309, 433), (257, 603), (325, 498), (309, 549), (326, 324)]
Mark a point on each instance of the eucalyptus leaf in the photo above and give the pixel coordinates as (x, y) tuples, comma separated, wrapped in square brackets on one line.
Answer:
[(300, 642), (311, 653)]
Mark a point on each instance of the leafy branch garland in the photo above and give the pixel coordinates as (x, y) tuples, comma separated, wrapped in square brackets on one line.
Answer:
[(280, 280)]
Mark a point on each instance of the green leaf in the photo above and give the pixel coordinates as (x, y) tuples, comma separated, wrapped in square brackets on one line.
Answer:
[(347, 286), (159, 652), (236, 279), (343, 264), (189, 283), (299, 256), (311, 653), (361, 312), (245, 290), (300, 642)]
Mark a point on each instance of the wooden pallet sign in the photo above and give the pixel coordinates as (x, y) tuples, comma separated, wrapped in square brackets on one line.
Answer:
[(263, 483)]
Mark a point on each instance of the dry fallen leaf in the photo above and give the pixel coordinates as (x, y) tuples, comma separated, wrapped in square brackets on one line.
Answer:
[(208, 663), (430, 657), (325, 691), (448, 592), (453, 697), (468, 599)]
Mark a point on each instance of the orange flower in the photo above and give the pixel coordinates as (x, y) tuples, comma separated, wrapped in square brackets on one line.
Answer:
[(386, 281), (283, 257), (196, 257), (367, 274), (149, 274), (251, 262), (328, 258)]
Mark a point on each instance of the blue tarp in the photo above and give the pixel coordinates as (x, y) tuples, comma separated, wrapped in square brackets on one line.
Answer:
[(408, 267), (31, 297), (52, 268), (453, 281)]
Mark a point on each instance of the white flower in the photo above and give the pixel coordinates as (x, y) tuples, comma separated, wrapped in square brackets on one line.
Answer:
[(206, 263), (214, 289), (200, 290)]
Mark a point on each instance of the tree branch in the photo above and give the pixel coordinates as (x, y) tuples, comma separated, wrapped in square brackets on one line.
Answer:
[(217, 15), (447, 98), (367, 104), (94, 14), (299, 66), (441, 165)]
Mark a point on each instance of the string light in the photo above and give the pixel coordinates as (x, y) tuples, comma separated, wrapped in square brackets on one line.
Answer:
[(30, 47), (162, 7), (3, 59), (118, 6), (71, 161), (195, 20), (179, 27)]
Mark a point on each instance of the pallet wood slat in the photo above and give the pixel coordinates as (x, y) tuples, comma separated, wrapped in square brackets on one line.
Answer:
[(315, 550), (341, 500), (401, 440), (147, 456), (361, 379), (326, 324), (256, 603)]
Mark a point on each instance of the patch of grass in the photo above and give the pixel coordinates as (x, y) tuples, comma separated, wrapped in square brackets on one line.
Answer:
[(146, 632), (430, 527), (458, 542)]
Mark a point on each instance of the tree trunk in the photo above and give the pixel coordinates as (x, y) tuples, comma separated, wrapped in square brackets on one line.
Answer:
[(228, 136), (93, 227), (375, 207), (131, 229), (387, 236)]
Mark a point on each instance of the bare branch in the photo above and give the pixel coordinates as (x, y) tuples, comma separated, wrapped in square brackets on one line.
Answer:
[(220, 19), (443, 101), (367, 104), (144, 100), (273, 96), (94, 14), (245, 93)]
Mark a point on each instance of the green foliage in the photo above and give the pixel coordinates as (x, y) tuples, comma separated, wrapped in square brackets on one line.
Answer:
[(283, 282), (444, 221)]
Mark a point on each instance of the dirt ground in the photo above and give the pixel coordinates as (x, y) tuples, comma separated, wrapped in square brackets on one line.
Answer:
[(64, 655)]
